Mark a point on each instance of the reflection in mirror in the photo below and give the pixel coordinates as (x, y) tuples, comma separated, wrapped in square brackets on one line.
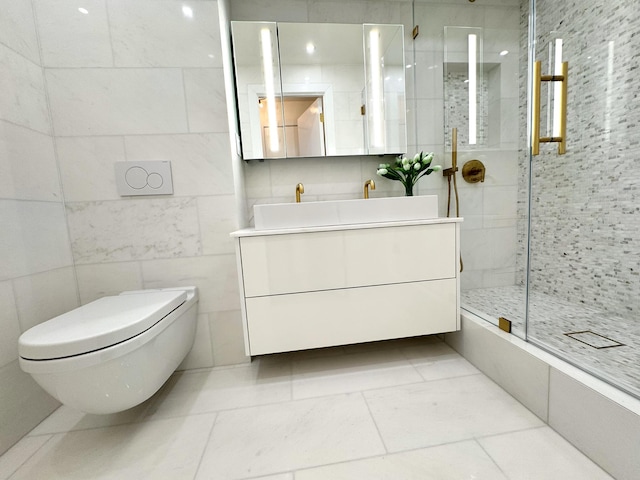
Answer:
[(385, 70), (315, 101), (303, 126), (326, 61), (465, 88), (494, 101), (258, 72)]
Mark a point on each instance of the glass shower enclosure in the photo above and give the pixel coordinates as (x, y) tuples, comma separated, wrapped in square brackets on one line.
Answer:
[(568, 279)]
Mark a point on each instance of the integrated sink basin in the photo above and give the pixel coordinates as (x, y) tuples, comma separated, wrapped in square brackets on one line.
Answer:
[(345, 212)]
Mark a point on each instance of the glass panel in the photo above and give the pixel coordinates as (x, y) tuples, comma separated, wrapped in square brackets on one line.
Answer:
[(259, 89), (483, 101), (465, 89), (385, 87), (323, 66), (585, 219), (325, 61)]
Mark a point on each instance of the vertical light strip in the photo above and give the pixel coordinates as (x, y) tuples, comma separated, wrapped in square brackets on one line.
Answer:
[(557, 87), (473, 40), (609, 92), (267, 69), (548, 132), (377, 137)]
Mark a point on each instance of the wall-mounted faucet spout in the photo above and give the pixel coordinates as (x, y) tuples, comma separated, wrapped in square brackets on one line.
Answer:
[(367, 184), (299, 190)]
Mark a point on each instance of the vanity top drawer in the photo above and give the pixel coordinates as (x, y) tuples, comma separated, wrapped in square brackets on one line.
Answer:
[(302, 262)]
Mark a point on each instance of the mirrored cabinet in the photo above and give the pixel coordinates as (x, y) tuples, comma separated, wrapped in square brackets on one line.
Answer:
[(316, 90)]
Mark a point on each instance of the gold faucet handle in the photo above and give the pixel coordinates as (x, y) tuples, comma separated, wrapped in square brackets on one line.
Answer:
[(299, 190)]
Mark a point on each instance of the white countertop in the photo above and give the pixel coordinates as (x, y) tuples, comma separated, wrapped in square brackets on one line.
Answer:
[(252, 232)]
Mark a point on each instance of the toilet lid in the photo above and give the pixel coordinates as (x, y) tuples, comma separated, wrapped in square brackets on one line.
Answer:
[(98, 324)]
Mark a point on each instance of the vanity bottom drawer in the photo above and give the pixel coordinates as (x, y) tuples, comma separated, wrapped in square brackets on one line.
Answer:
[(282, 323)]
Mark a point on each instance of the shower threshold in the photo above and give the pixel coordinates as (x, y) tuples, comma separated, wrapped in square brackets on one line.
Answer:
[(610, 351)]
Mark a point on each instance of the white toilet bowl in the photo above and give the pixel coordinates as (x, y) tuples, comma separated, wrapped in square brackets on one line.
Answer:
[(114, 353)]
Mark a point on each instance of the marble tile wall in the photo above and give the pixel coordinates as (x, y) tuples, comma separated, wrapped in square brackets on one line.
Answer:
[(37, 279), (585, 214), (122, 82), (137, 82), (489, 230)]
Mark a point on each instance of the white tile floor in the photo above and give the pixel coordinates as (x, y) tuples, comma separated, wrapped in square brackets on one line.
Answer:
[(410, 409)]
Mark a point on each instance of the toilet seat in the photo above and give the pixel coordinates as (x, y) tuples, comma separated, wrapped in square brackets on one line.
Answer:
[(98, 325)]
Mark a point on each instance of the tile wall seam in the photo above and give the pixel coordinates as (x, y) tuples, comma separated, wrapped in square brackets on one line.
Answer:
[(108, 15), (26, 127), (10, 48), (56, 154), (549, 369), (186, 100)]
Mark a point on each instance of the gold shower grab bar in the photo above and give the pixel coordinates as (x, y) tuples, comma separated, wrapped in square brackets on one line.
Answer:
[(538, 78)]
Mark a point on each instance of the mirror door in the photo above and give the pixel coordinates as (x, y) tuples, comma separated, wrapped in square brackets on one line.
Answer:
[(327, 62), (259, 89)]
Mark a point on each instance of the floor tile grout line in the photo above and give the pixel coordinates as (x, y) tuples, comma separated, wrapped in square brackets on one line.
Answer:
[(373, 419), (269, 475), (373, 457), (493, 460), (284, 472), (26, 460), (125, 424), (510, 432), (374, 389), (146, 419), (206, 445)]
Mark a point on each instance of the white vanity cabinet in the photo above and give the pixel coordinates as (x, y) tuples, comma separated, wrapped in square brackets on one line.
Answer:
[(325, 286)]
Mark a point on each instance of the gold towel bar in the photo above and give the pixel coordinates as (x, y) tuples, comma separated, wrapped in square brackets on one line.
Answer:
[(538, 78)]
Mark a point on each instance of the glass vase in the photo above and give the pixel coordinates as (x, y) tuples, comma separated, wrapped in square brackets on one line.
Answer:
[(408, 189)]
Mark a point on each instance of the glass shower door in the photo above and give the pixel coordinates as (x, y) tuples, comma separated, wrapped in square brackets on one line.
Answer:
[(584, 228), (484, 90)]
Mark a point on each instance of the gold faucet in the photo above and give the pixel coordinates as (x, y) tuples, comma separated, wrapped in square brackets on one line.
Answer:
[(367, 184), (299, 190)]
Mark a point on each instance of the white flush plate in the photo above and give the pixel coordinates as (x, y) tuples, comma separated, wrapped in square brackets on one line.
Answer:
[(144, 178)]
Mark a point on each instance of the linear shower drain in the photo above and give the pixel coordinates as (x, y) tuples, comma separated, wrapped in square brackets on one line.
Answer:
[(593, 339)]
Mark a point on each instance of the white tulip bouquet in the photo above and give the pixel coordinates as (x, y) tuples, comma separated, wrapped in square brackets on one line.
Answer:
[(409, 170)]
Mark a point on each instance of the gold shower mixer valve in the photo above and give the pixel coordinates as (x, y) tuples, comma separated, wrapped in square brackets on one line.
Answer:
[(473, 171)]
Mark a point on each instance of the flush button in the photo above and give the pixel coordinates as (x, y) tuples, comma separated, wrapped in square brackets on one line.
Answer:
[(144, 178), (154, 180), (136, 177)]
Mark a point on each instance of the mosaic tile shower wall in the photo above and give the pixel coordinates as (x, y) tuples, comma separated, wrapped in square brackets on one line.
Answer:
[(456, 91), (523, 155), (586, 204)]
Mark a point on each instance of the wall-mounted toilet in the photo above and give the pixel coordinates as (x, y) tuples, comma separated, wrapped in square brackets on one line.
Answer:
[(114, 353)]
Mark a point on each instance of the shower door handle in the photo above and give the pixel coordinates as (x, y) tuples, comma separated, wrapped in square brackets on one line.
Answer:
[(538, 78)]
